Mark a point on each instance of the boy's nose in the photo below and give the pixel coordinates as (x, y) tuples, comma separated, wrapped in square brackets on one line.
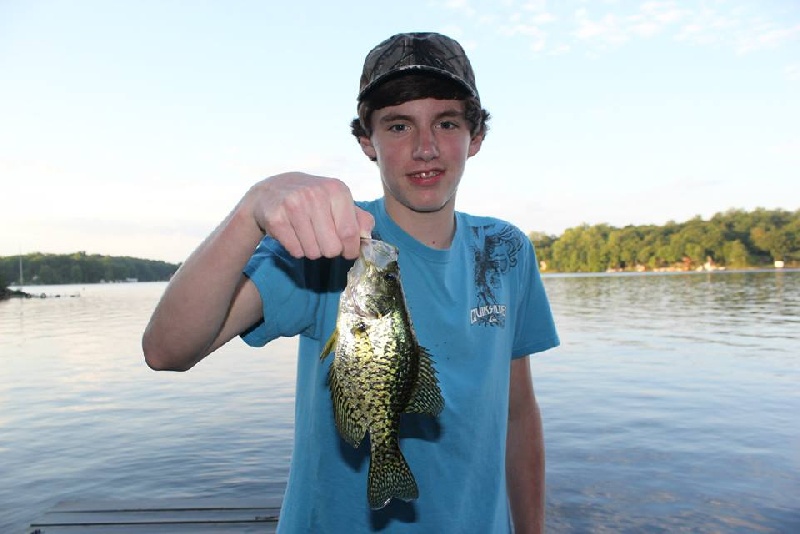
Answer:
[(425, 148)]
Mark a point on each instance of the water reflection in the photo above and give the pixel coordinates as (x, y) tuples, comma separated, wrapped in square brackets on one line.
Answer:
[(672, 402), (670, 406)]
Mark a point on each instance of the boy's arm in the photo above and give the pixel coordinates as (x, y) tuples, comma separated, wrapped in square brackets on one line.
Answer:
[(209, 300), (525, 460)]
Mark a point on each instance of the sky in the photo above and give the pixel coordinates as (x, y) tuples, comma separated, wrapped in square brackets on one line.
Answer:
[(132, 128)]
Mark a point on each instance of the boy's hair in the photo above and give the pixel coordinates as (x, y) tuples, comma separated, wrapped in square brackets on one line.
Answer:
[(407, 87)]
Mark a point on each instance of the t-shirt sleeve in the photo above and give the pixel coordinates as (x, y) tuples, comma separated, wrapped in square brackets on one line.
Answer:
[(288, 304), (535, 327)]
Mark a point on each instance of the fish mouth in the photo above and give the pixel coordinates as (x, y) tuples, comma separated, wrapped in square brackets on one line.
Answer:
[(376, 259), (379, 254)]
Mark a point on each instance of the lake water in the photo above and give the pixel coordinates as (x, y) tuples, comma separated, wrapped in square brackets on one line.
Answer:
[(672, 405)]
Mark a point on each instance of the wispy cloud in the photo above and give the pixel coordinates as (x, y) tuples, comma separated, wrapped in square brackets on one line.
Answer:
[(792, 72), (592, 27), (462, 6), (766, 35), (654, 18), (607, 29)]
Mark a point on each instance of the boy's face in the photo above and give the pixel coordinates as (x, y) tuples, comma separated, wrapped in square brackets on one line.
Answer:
[(421, 147)]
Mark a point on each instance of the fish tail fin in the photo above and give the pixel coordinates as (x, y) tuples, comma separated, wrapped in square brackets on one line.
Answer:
[(390, 477)]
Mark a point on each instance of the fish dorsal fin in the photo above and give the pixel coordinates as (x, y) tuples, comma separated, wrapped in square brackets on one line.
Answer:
[(426, 398)]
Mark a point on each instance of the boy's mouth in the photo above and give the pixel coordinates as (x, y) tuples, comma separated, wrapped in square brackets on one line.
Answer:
[(425, 177)]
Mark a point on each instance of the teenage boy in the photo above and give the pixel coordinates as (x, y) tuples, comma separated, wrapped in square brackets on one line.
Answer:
[(472, 287)]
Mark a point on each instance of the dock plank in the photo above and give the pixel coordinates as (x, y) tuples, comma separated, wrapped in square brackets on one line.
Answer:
[(162, 516)]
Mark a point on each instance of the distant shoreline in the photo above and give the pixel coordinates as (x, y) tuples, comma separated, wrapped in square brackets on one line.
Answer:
[(670, 273), (15, 291), (7, 293)]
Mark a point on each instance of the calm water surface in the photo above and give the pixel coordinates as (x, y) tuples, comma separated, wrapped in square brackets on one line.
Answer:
[(670, 407)]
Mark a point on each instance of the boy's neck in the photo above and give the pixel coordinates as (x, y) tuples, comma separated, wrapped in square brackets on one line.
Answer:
[(434, 229)]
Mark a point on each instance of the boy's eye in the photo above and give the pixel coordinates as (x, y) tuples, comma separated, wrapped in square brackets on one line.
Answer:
[(448, 125), (397, 128)]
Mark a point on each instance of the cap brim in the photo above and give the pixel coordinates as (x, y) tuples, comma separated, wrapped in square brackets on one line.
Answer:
[(412, 69)]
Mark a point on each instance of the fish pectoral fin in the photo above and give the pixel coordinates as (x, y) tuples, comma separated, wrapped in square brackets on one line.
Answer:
[(426, 397), (351, 424), (389, 477), (358, 329), (330, 345)]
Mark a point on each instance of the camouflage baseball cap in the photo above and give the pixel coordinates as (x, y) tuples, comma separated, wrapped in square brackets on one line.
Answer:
[(407, 53)]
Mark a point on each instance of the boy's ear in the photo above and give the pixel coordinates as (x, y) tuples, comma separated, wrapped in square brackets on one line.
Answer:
[(475, 145), (367, 147)]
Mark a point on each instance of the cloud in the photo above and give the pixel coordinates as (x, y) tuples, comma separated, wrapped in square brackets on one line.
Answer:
[(544, 18), (606, 29), (462, 6), (654, 18), (792, 72), (766, 35), (592, 27)]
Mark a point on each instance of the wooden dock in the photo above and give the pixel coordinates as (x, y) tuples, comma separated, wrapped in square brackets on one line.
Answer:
[(161, 516)]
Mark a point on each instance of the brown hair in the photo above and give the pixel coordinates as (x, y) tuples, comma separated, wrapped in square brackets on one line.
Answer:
[(413, 87)]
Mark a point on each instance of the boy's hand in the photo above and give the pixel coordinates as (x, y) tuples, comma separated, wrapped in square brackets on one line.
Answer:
[(311, 216)]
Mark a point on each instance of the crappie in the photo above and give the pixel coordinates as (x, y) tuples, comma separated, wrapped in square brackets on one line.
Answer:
[(379, 370)]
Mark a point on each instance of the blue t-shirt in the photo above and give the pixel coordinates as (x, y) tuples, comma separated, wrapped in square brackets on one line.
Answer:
[(474, 307)]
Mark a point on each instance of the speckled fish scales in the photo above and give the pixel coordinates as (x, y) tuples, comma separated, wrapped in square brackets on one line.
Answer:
[(379, 370)]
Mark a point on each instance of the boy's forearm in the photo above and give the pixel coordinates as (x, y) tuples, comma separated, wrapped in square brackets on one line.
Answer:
[(525, 454), (195, 304)]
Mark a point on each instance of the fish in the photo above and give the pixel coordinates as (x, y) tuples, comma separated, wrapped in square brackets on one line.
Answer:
[(379, 370)]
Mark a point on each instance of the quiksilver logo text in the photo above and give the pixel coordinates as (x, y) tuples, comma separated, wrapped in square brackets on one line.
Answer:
[(492, 314)]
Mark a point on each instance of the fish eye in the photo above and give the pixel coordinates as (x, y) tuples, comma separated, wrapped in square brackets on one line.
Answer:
[(389, 276)]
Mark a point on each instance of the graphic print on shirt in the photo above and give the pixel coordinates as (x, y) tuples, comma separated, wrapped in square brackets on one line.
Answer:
[(495, 249)]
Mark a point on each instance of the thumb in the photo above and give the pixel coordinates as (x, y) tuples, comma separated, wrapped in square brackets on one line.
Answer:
[(366, 222)]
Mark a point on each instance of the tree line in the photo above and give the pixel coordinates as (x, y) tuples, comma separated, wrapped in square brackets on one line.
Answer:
[(81, 268), (735, 239)]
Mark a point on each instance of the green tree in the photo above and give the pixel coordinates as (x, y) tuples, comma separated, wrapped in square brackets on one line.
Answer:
[(735, 238), (773, 240), (47, 275), (76, 274), (735, 254), (83, 268)]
